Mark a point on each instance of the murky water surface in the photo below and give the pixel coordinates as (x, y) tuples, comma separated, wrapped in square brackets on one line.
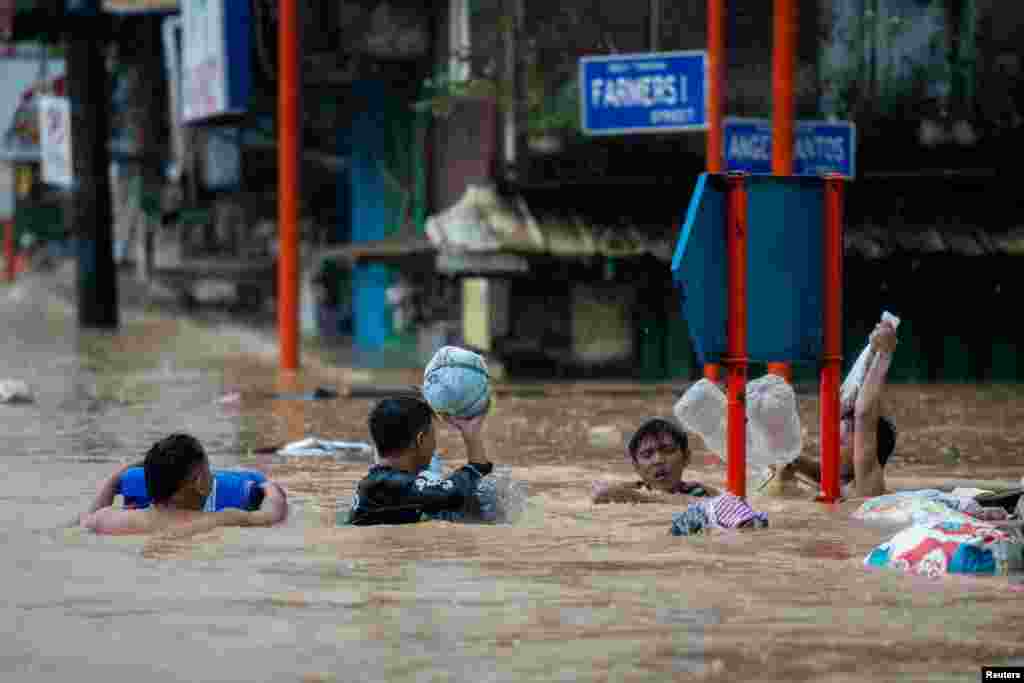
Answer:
[(573, 592)]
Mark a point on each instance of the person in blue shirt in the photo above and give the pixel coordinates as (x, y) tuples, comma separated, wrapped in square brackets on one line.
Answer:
[(180, 495), (401, 489)]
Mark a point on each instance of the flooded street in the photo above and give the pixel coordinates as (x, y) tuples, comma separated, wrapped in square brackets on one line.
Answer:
[(573, 592)]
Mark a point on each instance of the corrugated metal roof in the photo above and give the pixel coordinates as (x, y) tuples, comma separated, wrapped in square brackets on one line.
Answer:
[(482, 220)]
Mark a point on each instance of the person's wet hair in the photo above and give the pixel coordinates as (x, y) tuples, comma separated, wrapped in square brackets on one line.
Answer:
[(654, 426), (169, 463), (395, 422)]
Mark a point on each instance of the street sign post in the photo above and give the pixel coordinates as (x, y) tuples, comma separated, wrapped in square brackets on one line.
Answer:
[(656, 92), (820, 147)]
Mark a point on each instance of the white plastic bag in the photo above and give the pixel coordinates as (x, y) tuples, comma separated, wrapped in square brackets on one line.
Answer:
[(852, 384), (774, 434), (702, 410), (316, 447)]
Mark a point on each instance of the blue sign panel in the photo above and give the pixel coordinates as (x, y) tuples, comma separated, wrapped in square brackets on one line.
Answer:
[(656, 92), (785, 297), (820, 147)]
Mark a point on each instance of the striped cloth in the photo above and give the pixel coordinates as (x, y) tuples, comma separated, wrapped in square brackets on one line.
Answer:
[(729, 512), (721, 512)]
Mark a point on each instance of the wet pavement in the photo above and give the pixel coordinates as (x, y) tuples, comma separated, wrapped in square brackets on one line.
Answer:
[(573, 592)]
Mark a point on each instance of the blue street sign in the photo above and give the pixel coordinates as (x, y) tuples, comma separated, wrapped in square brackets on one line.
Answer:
[(656, 92), (820, 146)]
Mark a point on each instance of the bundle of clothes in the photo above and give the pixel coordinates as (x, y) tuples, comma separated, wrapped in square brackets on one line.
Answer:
[(948, 533), (721, 512)]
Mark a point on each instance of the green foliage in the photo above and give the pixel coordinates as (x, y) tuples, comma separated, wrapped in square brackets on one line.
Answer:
[(870, 82), (558, 113), (440, 92)]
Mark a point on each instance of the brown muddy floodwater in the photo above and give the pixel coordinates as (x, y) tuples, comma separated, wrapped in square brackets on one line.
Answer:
[(572, 592)]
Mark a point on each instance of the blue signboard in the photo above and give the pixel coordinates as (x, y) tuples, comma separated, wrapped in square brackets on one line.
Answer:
[(656, 92), (784, 268), (820, 147)]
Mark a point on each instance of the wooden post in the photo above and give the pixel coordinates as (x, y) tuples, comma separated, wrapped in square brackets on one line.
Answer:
[(289, 95), (88, 87)]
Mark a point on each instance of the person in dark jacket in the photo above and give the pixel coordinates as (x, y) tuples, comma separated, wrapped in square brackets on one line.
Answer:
[(401, 489)]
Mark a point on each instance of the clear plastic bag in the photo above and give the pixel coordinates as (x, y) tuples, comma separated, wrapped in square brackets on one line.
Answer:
[(774, 433), (702, 410), (498, 499)]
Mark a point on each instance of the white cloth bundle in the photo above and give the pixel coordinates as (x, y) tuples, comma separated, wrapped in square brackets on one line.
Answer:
[(852, 384)]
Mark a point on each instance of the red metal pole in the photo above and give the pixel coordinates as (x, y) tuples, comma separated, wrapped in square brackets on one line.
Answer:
[(736, 363), (783, 57), (783, 370), (832, 357), (716, 85), (715, 158), (288, 96), (712, 371), (9, 250)]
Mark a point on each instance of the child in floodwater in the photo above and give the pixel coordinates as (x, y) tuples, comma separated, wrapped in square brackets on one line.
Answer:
[(660, 453), (400, 489), (179, 483), (867, 438)]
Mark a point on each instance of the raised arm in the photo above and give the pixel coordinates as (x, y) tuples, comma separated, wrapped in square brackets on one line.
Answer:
[(883, 340), (471, 430), (869, 479)]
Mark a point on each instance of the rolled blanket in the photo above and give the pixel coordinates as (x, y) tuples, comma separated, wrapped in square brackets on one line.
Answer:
[(721, 512), (926, 506), (951, 547)]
